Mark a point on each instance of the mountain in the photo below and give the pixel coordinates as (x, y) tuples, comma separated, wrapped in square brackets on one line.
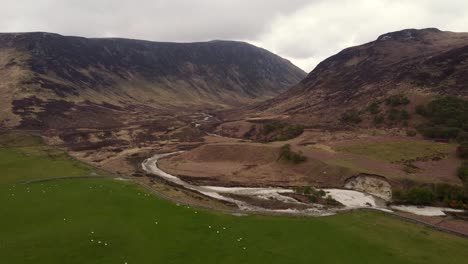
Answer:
[(418, 63), (44, 75)]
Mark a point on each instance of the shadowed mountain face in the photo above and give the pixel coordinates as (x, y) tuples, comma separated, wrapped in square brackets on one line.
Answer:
[(41, 71), (427, 62)]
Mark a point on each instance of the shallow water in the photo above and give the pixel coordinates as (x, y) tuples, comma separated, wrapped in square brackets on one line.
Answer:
[(349, 198)]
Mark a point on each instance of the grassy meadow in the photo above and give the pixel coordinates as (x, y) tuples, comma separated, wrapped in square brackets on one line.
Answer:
[(24, 157), (110, 221)]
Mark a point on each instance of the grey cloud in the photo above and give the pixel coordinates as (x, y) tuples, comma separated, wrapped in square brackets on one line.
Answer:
[(304, 31), (175, 20)]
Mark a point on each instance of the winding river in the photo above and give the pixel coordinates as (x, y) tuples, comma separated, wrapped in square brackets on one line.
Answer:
[(349, 198)]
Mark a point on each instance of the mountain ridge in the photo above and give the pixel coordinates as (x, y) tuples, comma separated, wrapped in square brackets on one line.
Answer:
[(126, 72), (427, 62)]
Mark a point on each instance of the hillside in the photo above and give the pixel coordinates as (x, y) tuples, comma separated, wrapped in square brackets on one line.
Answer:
[(43, 76), (420, 64)]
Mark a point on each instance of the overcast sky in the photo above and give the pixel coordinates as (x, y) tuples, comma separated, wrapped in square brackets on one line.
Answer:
[(305, 32)]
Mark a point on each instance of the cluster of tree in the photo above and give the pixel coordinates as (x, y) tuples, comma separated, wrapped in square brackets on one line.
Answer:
[(434, 194), (398, 115), (394, 115), (374, 108), (397, 100), (447, 118), (281, 130), (462, 150), (315, 195), (312, 194), (462, 171), (288, 155), (351, 117)]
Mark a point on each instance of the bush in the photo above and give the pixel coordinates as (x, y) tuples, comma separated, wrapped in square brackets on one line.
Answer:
[(462, 136), (271, 126), (448, 195), (312, 194), (420, 196), (373, 108), (398, 115), (290, 156), (283, 131), (411, 133), (448, 118), (438, 131), (379, 119), (396, 100), (448, 111), (351, 117), (462, 150), (289, 132), (462, 171), (446, 192), (329, 200), (398, 195), (421, 110)]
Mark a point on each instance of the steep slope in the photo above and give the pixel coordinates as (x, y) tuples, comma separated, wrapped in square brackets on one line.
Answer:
[(419, 63), (49, 72)]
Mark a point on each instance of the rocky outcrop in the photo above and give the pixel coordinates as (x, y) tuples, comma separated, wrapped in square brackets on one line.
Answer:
[(371, 184)]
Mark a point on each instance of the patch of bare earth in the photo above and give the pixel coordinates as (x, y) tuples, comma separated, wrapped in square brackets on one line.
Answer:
[(249, 164)]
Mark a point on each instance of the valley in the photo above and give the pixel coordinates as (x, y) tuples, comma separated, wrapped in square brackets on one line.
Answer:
[(120, 144), (97, 220)]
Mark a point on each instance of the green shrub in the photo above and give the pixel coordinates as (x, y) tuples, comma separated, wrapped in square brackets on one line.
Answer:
[(420, 196), (351, 117), (462, 136), (447, 118), (438, 131), (446, 192), (448, 195), (448, 111), (290, 156), (396, 100), (462, 171), (282, 131), (421, 110), (329, 200), (379, 119), (312, 194), (289, 132), (398, 115), (411, 132), (373, 108), (398, 195), (462, 150), (271, 126)]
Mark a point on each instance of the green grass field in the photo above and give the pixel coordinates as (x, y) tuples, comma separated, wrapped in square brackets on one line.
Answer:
[(397, 151), (24, 157), (110, 221), (53, 223)]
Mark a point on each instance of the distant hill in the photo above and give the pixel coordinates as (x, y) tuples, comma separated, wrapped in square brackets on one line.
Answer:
[(45, 74), (418, 63)]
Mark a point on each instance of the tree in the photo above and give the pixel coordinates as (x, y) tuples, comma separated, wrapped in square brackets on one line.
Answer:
[(462, 150), (290, 156), (379, 119), (373, 108), (462, 171), (420, 196), (351, 117)]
